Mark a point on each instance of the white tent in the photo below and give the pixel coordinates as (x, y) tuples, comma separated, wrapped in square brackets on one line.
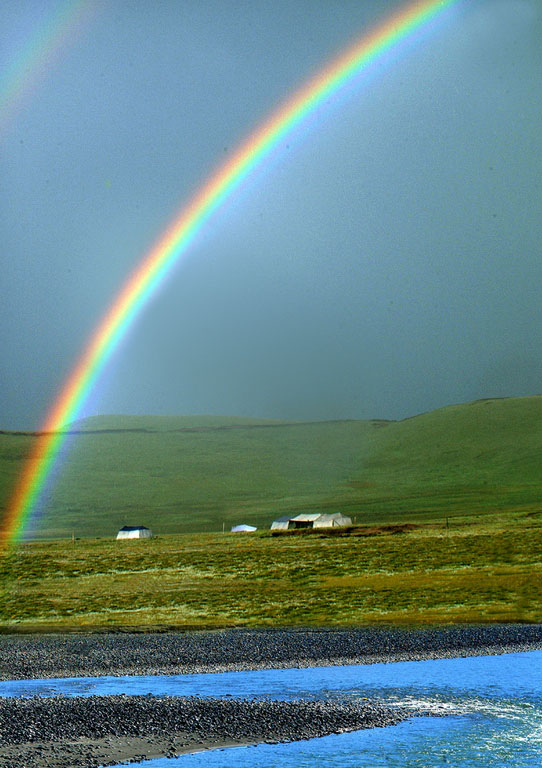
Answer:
[(335, 520), (315, 520), (243, 529), (281, 523), (134, 532)]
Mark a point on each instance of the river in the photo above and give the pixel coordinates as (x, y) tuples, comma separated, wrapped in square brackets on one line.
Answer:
[(492, 707)]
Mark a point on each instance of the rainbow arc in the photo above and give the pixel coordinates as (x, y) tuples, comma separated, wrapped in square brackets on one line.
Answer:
[(158, 263)]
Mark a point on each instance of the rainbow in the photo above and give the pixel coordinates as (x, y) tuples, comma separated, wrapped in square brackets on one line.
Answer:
[(34, 60), (143, 282)]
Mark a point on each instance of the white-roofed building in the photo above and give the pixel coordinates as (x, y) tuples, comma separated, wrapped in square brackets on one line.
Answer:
[(134, 532), (243, 529), (281, 523), (314, 520)]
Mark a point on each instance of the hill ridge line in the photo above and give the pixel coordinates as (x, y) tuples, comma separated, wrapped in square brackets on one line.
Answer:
[(202, 428)]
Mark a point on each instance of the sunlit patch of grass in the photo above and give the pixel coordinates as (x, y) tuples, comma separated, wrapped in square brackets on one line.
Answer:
[(480, 573)]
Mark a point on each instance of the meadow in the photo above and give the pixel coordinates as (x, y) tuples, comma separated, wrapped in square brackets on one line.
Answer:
[(446, 511), (400, 575)]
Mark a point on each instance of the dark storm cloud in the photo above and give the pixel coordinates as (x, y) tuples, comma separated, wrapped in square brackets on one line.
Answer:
[(387, 263)]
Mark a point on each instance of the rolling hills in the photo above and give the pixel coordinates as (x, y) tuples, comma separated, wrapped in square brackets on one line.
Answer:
[(198, 473)]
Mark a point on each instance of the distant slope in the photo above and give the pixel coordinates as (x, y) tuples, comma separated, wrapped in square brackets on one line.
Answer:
[(163, 423), (478, 457), (192, 474), (199, 472)]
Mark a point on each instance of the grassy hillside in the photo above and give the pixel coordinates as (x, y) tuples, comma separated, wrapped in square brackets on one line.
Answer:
[(171, 423), (477, 458), (177, 474), (192, 475)]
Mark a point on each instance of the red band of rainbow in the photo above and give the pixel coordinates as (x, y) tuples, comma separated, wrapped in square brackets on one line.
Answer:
[(149, 274)]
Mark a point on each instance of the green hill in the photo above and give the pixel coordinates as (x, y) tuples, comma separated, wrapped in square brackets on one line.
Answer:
[(171, 423), (197, 473), (476, 458)]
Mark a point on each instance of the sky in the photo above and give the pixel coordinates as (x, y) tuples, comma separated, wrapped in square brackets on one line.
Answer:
[(387, 262)]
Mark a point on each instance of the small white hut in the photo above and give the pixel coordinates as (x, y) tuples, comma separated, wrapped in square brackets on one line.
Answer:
[(134, 532), (243, 529)]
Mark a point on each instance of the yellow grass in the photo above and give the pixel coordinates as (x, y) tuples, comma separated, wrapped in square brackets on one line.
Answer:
[(483, 572)]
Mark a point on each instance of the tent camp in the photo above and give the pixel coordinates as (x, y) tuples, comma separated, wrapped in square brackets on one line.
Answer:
[(134, 532), (243, 529), (334, 520), (281, 523)]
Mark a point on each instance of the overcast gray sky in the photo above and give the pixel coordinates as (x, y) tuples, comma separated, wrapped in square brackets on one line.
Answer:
[(387, 263)]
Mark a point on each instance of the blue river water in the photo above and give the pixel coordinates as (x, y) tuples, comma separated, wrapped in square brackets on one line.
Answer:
[(492, 707)]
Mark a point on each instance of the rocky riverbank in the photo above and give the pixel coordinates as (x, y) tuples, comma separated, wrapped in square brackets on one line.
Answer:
[(83, 655), (104, 730), (86, 732)]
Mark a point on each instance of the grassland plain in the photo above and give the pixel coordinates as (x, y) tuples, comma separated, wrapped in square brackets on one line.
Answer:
[(447, 504), (490, 571), (196, 474)]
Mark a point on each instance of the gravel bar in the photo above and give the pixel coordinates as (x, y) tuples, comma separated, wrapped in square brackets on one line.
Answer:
[(86, 655), (80, 731), (86, 732)]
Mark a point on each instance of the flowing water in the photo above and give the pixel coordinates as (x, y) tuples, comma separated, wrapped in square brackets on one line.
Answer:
[(492, 707)]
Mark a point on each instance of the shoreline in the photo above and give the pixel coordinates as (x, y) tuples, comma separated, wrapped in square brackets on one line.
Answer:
[(26, 657), (93, 731), (95, 753), (56, 738)]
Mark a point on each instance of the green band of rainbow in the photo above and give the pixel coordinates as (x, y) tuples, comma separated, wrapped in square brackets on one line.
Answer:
[(167, 251)]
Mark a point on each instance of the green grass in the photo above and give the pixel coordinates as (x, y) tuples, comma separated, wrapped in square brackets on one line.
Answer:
[(476, 466), (195, 480), (470, 573), (194, 474)]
